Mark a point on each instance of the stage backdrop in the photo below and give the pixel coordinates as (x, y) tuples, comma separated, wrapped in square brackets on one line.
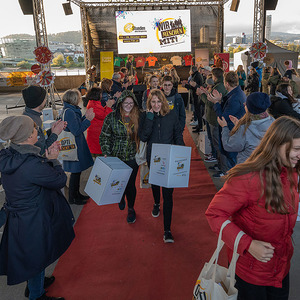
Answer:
[(153, 31)]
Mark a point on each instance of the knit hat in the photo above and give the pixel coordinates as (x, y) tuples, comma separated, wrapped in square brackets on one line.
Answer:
[(258, 103), (34, 96), (16, 128)]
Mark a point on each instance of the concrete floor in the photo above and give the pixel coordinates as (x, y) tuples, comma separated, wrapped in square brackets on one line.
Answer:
[(16, 292)]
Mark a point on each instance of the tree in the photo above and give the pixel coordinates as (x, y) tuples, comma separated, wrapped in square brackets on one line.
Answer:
[(1, 65), (69, 60), (58, 60), (24, 64), (80, 59)]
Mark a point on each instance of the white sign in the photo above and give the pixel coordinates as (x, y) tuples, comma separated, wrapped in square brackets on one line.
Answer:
[(154, 31)]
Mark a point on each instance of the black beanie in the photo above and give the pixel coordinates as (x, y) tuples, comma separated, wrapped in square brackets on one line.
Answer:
[(258, 103), (34, 96)]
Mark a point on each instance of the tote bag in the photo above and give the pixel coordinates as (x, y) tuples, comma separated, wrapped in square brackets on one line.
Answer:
[(67, 141), (140, 156), (144, 176), (216, 282)]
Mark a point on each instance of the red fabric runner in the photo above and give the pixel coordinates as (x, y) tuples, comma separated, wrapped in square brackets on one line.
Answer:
[(110, 259)]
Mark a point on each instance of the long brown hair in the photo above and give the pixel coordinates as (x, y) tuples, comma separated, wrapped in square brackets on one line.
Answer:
[(133, 126), (164, 103), (266, 161)]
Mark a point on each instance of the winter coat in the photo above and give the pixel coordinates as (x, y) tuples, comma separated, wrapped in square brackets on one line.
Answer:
[(242, 143), (210, 113), (45, 139), (159, 129), (77, 125), (232, 104), (93, 132), (240, 198), (253, 83), (39, 226), (116, 87), (273, 82), (176, 102), (241, 80), (114, 140), (198, 78), (264, 83), (281, 106)]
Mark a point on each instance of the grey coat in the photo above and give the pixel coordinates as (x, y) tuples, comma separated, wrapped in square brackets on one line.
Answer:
[(242, 143)]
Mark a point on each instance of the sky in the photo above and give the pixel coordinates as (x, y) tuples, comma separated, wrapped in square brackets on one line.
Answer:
[(12, 21)]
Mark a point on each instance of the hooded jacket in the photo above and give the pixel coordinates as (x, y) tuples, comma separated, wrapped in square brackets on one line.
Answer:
[(242, 143), (114, 140), (240, 199), (39, 226)]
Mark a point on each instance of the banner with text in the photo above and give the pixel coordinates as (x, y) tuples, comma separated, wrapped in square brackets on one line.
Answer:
[(153, 31), (106, 64)]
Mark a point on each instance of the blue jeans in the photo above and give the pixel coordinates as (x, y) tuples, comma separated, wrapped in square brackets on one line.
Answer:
[(36, 286)]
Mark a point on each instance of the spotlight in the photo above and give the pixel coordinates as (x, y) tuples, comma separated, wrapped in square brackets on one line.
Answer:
[(67, 8)]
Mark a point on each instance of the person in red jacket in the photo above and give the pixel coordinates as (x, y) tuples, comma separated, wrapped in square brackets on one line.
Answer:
[(101, 110), (260, 197)]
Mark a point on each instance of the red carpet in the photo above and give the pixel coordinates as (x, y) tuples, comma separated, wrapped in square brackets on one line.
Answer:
[(110, 259)]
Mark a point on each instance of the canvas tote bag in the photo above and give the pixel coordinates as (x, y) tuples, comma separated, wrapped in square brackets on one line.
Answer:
[(144, 176), (216, 282), (68, 145), (140, 156)]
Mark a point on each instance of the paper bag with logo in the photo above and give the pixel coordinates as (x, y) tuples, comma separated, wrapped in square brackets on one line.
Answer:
[(216, 282), (144, 176), (68, 145)]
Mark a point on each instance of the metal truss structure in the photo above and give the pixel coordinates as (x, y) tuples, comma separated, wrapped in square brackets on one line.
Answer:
[(259, 21), (42, 40), (134, 4)]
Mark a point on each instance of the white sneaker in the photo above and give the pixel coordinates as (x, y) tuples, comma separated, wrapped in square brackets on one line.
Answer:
[(194, 123)]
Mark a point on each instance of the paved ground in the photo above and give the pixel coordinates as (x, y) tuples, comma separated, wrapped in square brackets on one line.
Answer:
[(17, 292)]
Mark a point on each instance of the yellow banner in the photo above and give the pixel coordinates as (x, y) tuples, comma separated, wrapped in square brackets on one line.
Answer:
[(106, 64), (16, 78)]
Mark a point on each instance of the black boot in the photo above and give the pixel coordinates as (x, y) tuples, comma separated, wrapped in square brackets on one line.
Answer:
[(45, 297), (74, 195), (83, 197), (47, 282)]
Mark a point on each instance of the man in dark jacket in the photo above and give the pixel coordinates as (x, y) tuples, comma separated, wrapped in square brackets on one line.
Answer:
[(117, 85), (35, 101), (196, 82), (174, 99), (230, 105)]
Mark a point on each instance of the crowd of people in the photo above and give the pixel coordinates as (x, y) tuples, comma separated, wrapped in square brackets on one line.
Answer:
[(253, 127)]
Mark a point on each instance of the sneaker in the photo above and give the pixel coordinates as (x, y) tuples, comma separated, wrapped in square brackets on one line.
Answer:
[(194, 123), (156, 210), (214, 168), (218, 175), (168, 237), (122, 204), (210, 159), (207, 155), (131, 217)]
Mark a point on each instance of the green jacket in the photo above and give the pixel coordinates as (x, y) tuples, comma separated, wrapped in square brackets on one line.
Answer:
[(274, 80), (210, 113), (114, 140)]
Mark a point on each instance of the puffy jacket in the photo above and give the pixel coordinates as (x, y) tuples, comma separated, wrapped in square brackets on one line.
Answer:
[(240, 199), (253, 83), (93, 132), (154, 128), (245, 143), (114, 140), (281, 106)]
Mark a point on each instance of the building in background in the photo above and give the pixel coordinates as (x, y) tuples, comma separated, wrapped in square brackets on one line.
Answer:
[(17, 48), (268, 27)]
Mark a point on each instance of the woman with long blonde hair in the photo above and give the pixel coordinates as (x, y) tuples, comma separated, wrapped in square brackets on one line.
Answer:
[(250, 129), (119, 138), (160, 125), (242, 76), (261, 198)]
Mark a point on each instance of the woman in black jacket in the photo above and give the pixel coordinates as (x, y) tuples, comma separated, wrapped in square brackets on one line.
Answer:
[(253, 82), (160, 125), (282, 103)]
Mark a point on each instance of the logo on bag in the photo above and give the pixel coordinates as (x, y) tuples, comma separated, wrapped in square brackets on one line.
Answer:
[(156, 159), (146, 178), (180, 166), (97, 179), (115, 183), (198, 295), (66, 144)]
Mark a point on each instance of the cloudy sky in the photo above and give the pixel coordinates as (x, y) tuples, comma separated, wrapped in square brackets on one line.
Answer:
[(285, 18)]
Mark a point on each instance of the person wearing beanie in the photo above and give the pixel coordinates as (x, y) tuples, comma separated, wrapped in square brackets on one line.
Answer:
[(39, 222), (250, 129), (35, 102)]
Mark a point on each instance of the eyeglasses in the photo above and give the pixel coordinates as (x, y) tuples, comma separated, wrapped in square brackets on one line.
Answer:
[(128, 103), (167, 84)]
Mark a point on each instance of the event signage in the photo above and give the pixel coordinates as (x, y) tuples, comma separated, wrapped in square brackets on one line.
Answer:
[(153, 31)]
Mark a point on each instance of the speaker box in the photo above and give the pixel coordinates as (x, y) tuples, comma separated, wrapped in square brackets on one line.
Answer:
[(270, 4), (235, 5), (26, 6), (67, 8)]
